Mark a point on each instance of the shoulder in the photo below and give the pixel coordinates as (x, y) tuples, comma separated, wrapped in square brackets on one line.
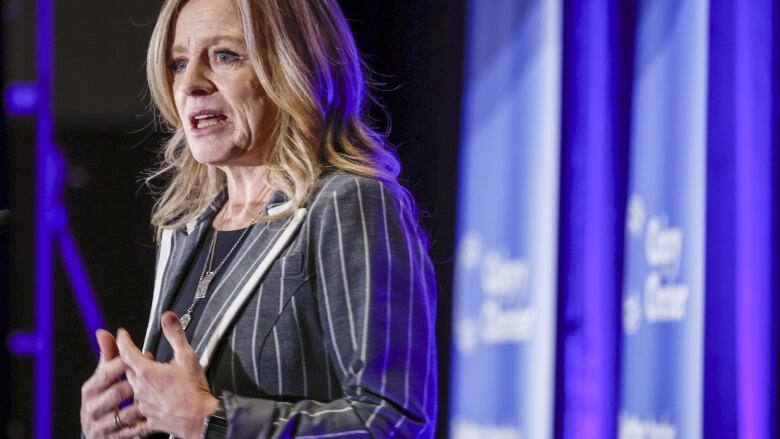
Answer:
[(345, 191), (341, 183), (362, 208), (352, 200)]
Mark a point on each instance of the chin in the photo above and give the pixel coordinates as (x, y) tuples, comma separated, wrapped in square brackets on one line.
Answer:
[(208, 155), (217, 151), (211, 160)]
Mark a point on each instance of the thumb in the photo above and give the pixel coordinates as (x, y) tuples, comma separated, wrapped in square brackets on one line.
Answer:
[(176, 337), (107, 343)]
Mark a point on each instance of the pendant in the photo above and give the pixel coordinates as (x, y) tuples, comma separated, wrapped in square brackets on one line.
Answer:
[(203, 286), (184, 321)]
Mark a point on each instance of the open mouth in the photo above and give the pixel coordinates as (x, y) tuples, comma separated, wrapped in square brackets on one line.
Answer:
[(206, 120)]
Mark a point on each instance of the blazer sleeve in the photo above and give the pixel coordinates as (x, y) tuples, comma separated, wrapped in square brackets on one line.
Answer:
[(376, 301)]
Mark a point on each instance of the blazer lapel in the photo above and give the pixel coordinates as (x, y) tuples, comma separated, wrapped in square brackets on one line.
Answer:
[(262, 246), (177, 248)]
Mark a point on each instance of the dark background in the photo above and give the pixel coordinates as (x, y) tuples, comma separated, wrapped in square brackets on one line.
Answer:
[(103, 127)]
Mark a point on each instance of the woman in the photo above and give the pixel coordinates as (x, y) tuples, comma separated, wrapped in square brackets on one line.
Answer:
[(293, 294)]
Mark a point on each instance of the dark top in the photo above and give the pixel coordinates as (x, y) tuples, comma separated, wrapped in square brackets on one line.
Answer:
[(225, 241)]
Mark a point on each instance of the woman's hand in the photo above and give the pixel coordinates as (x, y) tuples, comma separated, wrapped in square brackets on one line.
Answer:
[(102, 393), (174, 397)]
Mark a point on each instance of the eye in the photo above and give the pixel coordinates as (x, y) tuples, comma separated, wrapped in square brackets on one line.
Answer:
[(178, 65), (224, 56)]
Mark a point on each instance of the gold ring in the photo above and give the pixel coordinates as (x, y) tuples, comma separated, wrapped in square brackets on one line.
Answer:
[(118, 422)]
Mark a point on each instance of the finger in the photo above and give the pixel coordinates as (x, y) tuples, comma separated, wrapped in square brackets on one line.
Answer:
[(149, 355), (139, 429), (135, 383), (176, 337), (131, 414), (128, 351), (130, 376), (105, 375), (129, 418), (107, 345), (106, 426), (109, 400)]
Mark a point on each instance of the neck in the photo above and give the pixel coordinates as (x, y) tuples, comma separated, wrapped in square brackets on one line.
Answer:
[(246, 185), (248, 193)]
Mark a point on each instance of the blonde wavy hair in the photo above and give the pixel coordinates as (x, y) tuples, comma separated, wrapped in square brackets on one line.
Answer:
[(305, 58)]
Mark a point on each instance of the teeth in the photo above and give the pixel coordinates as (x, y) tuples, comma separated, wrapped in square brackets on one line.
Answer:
[(207, 123), (204, 116)]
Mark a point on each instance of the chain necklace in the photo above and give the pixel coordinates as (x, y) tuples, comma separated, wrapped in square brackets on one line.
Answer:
[(207, 274)]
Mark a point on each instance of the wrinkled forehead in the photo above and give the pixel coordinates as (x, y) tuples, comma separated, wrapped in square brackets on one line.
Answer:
[(200, 22)]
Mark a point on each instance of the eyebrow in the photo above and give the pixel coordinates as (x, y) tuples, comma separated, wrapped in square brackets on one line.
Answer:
[(210, 41)]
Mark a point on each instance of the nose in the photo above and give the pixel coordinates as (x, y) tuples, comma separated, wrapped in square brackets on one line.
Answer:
[(195, 79)]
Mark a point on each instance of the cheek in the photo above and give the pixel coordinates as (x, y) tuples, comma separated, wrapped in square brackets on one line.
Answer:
[(259, 119), (257, 110), (253, 103)]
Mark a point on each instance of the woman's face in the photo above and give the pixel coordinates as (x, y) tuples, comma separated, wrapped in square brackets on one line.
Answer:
[(226, 116)]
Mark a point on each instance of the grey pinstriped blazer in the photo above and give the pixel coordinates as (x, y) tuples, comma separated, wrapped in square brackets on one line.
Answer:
[(322, 324)]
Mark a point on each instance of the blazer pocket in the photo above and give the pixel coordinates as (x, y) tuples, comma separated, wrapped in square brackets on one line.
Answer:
[(285, 267)]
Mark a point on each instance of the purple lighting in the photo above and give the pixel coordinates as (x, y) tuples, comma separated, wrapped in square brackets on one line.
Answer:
[(79, 281), (592, 203), (755, 207), (742, 290), (51, 224), (24, 343), (22, 99), (44, 198)]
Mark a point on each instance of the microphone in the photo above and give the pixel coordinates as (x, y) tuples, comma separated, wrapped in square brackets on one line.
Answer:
[(6, 219)]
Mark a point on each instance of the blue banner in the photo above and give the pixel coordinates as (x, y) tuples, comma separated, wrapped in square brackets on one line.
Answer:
[(505, 282), (663, 293)]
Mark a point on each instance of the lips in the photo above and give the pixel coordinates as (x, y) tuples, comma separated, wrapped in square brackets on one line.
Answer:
[(206, 118)]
